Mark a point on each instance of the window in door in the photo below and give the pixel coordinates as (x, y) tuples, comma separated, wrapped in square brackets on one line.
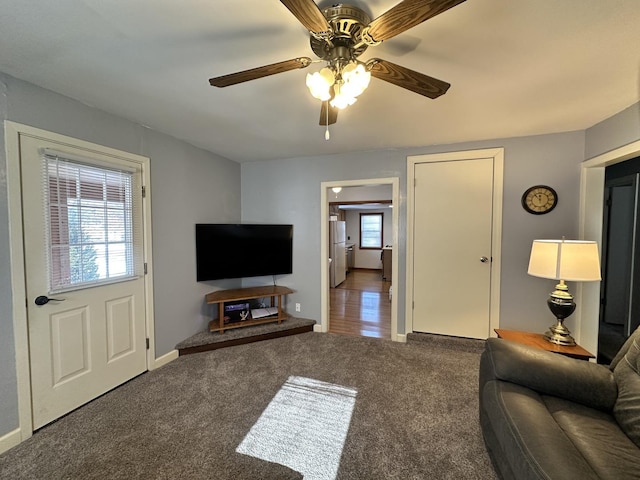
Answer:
[(89, 212), (371, 231)]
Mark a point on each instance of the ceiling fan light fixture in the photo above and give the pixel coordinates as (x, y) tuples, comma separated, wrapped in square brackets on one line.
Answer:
[(342, 101), (348, 82), (339, 34), (356, 79), (320, 83)]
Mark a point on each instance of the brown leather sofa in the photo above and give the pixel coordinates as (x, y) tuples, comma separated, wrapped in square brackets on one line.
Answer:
[(547, 416)]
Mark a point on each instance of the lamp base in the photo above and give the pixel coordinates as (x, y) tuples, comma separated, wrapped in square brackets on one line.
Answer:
[(560, 335), (561, 304)]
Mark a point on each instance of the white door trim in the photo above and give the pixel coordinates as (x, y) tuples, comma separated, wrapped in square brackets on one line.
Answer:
[(324, 249), (590, 228), (13, 131), (497, 154)]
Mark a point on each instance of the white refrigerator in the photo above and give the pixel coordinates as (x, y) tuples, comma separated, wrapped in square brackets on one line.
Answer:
[(337, 253)]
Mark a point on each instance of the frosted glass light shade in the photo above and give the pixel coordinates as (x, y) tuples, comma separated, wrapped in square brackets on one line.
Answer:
[(320, 83), (341, 86), (569, 260), (356, 79), (340, 100)]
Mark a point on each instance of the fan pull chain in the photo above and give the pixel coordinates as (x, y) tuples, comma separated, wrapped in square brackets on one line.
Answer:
[(327, 135)]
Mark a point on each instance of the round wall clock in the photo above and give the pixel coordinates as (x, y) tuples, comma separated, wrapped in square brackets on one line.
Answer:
[(539, 199)]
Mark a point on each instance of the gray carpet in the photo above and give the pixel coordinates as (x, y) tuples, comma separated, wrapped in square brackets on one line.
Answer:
[(415, 415)]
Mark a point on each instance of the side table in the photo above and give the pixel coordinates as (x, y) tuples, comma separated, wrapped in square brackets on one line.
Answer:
[(537, 340)]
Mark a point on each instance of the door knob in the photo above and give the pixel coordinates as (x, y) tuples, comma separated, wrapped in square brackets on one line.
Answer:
[(43, 300), (484, 259)]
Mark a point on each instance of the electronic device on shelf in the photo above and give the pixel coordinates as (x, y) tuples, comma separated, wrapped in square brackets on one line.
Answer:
[(236, 312), (243, 250), (264, 312)]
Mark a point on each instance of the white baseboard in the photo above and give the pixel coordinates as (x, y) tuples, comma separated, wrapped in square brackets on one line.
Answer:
[(164, 359), (10, 440), (401, 337)]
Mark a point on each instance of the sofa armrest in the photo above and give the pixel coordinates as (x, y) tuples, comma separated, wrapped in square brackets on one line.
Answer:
[(549, 373)]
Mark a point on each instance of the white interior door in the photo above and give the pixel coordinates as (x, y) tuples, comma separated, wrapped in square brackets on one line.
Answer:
[(92, 338), (452, 245)]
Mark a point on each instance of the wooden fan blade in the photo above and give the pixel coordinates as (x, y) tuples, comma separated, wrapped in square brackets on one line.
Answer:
[(255, 73), (328, 119), (405, 15), (407, 78), (308, 14)]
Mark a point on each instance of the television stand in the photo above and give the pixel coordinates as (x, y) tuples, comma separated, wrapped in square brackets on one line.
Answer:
[(249, 293)]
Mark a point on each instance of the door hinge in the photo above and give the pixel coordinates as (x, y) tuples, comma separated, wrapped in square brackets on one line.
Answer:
[(144, 191), (145, 268), (415, 181), (148, 344), (413, 305)]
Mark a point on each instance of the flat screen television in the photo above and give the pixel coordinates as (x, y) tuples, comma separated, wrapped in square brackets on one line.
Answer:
[(243, 250)]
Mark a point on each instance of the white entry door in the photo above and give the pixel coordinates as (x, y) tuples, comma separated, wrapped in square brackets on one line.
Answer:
[(82, 222), (452, 247)]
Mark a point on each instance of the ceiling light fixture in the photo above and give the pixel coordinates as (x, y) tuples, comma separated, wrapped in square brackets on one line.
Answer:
[(339, 35), (340, 82)]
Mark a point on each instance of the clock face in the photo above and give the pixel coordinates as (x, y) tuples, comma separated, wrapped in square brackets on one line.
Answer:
[(539, 199)]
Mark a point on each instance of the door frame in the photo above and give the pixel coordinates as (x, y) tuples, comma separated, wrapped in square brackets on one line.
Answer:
[(497, 154), (592, 181), (13, 131), (325, 187)]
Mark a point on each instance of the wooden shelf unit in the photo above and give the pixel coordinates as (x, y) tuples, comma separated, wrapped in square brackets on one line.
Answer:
[(249, 293)]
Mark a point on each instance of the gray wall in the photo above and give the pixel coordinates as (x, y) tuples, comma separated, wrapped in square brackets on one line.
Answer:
[(616, 131), (289, 191), (188, 185)]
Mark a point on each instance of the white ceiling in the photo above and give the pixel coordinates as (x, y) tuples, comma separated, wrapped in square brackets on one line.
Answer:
[(517, 67)]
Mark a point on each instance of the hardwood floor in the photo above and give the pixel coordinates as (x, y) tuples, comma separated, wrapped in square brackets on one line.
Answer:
[(360, 305)]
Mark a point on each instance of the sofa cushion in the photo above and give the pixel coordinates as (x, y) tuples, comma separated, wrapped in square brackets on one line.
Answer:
[(627, 406), (598, 438), (528, 438), (623, 350), (548, 373)]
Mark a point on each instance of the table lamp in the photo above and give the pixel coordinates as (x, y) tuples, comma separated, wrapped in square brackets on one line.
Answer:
[(564, 260)]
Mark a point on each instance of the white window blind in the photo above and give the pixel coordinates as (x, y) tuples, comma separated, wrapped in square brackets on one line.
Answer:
[(90, 213), (371, 230)]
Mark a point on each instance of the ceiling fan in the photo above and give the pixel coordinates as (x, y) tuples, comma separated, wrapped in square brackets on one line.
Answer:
[(339, 35)]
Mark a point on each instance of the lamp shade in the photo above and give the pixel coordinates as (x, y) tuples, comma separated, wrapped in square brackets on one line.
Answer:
[(570, 260)]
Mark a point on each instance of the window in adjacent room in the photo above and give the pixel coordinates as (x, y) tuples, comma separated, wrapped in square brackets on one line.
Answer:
[(371, 230)]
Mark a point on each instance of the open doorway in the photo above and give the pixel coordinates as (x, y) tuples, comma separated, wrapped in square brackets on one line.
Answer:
[(360, 287), (357, 292), (620, 295), (592, 211)]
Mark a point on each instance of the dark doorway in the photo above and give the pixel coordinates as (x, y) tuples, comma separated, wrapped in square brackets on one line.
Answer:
[(620, 291)]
